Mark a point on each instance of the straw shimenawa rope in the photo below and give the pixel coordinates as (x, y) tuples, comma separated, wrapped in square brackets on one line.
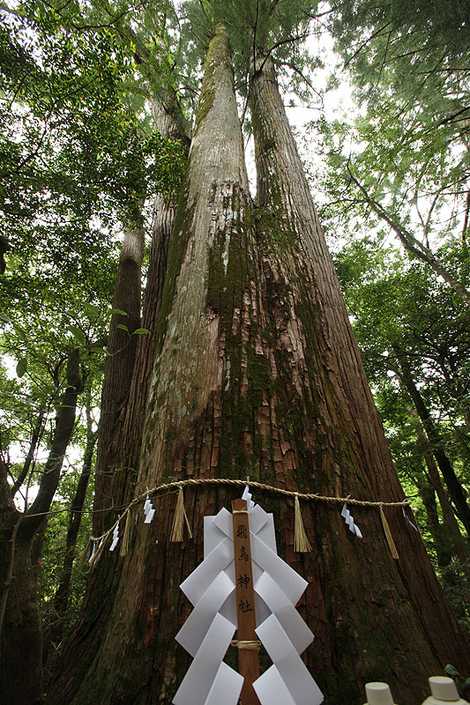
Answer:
[(261, 486)]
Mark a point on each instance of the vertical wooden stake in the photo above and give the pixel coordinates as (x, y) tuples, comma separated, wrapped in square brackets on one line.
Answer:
[(248, 652)]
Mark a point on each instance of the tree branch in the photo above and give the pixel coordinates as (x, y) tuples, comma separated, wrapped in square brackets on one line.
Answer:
[(410, 243), (65, 420)]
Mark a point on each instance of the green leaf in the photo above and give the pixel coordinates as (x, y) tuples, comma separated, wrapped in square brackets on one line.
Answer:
[(91, 310), (21, 367), (118, 312), (123, 327), (77, 333), (141, 331)]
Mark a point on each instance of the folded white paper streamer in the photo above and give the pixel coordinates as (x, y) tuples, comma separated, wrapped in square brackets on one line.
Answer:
[(211, 590), (287, 667), (207, 677), (115, 540), (149, 510), (352, 526), (248, 497)]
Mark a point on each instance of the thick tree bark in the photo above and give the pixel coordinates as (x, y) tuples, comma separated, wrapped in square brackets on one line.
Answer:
[(21, 638), (456, 490), (121, 350), (209, 224), (123, 451), (257, 373), (340, 447)]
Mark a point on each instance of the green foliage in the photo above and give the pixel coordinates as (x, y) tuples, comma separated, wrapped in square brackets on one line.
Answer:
[(54, 552), (257, 29), (417, 47), (402, 314), (77, 160), (403, 307), (406, 158)]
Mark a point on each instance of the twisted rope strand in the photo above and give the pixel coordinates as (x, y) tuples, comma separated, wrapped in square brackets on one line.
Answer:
[(307, 496)]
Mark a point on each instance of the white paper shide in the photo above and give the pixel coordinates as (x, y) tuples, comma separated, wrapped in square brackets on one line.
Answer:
[(350, 523), (211, 626)]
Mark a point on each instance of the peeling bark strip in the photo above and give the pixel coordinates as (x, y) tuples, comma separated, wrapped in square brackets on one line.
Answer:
[(257, 373)]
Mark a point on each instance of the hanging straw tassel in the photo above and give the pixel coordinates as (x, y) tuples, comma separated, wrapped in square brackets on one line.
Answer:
[(388, 535), (126, 536), (96, 551), (180, 518), (301, 542)]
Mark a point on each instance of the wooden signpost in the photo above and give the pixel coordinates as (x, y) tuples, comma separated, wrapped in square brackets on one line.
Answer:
[(248, 645)]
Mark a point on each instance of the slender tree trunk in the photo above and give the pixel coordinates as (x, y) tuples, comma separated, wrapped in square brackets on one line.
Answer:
[(117, 467), (121, 350), (451, 534), (35, 438), (456, 490), (412, 245), (21, 638), (435, 528), (9, 520), (61, 599), (257, 373)]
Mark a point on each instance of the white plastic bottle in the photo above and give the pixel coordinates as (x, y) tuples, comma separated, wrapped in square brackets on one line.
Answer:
[(443, 691), (378, 694)]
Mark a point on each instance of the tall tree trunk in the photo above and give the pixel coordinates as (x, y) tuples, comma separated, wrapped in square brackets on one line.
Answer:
[(257, 373), (451, 532), (456, 490), (117, 468), (21, 636), (435, 528), (125, 443), (339, 445), (61, 598), (209, 220), (121, 350)]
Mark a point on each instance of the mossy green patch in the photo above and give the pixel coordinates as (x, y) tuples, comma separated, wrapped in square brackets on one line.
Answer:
[(218, 54)]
